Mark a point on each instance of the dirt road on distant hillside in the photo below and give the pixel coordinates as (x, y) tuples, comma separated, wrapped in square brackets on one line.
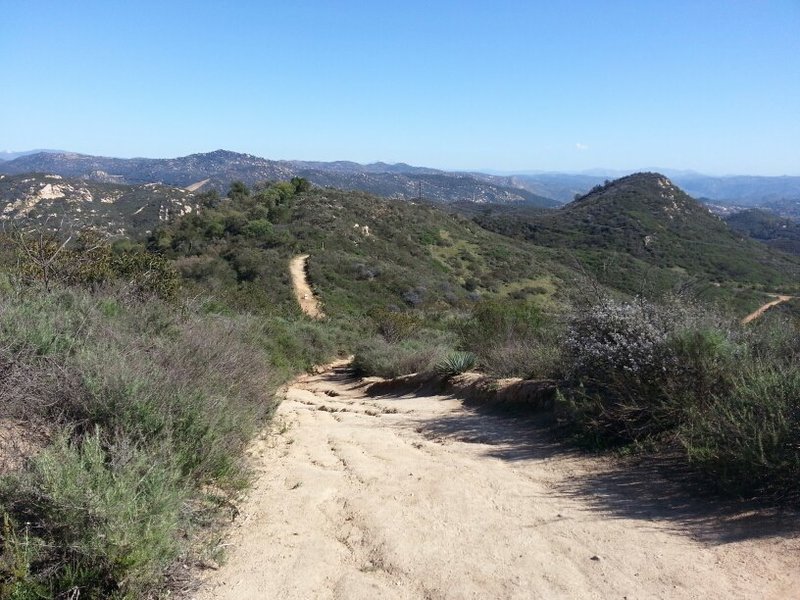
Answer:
[(418, 497), (761, 310), (309, 303)]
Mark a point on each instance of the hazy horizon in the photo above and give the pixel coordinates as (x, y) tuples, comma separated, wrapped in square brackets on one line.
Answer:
[(518, 87), (593, 171)]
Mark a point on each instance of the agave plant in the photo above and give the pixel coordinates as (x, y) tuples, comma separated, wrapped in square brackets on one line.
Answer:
[(455, 363)]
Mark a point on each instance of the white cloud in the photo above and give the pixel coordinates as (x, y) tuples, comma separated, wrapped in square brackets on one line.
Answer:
[(581, 147)]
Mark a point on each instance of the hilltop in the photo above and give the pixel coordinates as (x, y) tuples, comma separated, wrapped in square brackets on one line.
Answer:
[(642, 231)]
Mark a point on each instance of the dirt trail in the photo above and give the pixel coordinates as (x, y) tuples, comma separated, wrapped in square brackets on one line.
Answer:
[(196, 186), (417, 497), (309, 303), (757, 313)]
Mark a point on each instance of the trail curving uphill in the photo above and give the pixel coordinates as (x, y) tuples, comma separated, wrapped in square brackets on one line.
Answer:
[(761, 310), (406, 497), (196, 186), (309, 303)]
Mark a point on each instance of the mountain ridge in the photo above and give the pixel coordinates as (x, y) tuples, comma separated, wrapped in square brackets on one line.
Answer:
[(222, 167), (779, 194)]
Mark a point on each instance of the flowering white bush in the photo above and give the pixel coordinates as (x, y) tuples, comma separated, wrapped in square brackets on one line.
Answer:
[(615, 336), (634, 367)]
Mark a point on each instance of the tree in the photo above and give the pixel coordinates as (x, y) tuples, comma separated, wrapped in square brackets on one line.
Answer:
[(301, 184), (238, 191)]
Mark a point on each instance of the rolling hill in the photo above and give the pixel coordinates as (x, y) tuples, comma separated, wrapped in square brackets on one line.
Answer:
[(641, 232), (778, 232), (366, 253), (112, 207)]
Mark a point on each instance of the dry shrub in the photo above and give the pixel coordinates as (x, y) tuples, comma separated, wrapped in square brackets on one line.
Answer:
[(155, 405)]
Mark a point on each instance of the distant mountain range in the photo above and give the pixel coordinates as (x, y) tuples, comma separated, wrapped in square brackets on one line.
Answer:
[(201, 172), (8, 155)]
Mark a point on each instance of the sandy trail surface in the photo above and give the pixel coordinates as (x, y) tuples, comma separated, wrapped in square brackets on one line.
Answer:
[(418, 497), (762, 309), (309, 303)]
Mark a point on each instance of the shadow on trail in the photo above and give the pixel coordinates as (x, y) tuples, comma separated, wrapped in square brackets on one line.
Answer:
[(662, 490), (659, 490), (507, 437)]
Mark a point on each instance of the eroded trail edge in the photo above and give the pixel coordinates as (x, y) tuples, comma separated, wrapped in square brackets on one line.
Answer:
[(417, 497), (309, 303)]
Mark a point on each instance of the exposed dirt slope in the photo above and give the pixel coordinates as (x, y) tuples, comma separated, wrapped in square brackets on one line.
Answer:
[(196, 186), (416, 497), (302, 290)]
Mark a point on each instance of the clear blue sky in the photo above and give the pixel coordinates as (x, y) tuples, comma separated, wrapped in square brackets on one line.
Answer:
[(693, 84)]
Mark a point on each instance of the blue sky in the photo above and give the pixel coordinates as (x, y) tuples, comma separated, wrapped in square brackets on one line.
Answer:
[(712, 86)]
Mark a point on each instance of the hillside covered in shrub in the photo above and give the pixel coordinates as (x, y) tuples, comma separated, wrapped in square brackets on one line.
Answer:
[(366, 252), (643, 235), (136, 370)]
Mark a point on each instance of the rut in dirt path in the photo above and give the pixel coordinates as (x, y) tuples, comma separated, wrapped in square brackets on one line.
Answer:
[(309, 303), (406, 496)]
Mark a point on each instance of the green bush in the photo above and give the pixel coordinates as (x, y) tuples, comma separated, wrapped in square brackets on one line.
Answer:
[(396, 325), (748, 440), (377, 356), (105, 517), (150, 407), (535, 358), (50, 258), (511, 338)]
